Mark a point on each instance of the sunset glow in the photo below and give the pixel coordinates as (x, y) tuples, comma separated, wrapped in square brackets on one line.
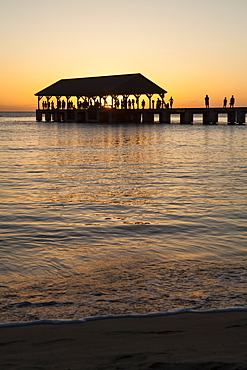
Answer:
[(187, 47)]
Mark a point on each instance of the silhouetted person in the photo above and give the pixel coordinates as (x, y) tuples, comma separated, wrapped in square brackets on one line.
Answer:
[(133, 103), (143, 104), (153, 104), (125, 102), (158, 104), (52, 105), (129, 104), (171, 102), (225, 102), (232, 101), (207, 101)]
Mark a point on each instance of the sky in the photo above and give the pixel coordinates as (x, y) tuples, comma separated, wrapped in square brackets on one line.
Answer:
[(188, 47)]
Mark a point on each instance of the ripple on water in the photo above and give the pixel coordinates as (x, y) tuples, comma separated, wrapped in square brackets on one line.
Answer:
[(110, 215), (124, 286)]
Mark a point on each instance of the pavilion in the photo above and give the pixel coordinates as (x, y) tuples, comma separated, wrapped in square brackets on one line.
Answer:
[(92, 93)]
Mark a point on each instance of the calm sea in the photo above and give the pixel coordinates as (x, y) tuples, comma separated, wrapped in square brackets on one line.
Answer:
[(120, 219)]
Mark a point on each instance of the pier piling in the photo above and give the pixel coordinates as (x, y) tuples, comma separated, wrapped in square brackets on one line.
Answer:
[(210, 116)]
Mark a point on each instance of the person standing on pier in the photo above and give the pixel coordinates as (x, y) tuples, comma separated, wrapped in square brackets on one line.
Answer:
[(207, 101), (225, 102), (171, 102), (232, 101)]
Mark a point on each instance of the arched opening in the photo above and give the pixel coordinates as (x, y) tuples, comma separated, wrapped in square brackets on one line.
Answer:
[(156, 118), (222, 118), (197, 118), (175, 118)]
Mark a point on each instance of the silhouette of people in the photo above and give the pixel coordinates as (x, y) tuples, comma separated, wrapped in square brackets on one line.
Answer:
[(225, 102), (133, 104), (232, 101), (85, 104), (143, 104), (129, 104), (158, 104), (153, 104), (52, 105), (207, 101), (171, 102)]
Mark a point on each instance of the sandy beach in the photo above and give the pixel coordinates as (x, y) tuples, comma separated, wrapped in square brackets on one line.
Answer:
[(214, 340)]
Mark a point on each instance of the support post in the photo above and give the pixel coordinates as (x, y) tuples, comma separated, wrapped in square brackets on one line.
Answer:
[(240, 117), (231, 117), (147, 117), (58, 102), (213, 117), (162, 95), (149, 96), (39, 98), (48, 103), (38, 115), (188, 117), (165, 117), (206, 118), (68, 97), (137, 96)]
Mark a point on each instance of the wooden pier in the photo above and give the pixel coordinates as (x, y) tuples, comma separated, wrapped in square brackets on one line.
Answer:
[(133, 99), (210, 116)]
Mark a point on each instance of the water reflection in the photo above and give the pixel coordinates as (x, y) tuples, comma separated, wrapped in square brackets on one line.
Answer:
[(99, 191)]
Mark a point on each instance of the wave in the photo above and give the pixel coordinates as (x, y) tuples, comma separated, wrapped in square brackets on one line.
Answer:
[(94, 318)]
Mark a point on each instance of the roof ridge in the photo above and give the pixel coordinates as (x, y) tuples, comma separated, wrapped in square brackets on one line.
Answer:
[(105, 76)]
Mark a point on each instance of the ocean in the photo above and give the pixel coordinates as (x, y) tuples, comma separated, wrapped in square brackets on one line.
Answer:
[(120, 219)]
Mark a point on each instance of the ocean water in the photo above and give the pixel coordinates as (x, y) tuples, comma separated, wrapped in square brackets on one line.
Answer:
[(120, 219)]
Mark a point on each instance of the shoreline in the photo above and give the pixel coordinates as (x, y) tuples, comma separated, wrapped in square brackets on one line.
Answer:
[(121, 316), (159, 341)]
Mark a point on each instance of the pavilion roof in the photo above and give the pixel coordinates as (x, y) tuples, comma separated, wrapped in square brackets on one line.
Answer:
[(127, 84)]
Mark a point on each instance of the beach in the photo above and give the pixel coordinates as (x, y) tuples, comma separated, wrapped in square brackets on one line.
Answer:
[(212, 340)]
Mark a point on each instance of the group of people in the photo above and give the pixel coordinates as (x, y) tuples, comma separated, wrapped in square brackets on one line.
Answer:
[(125, 103), (231, 103), (48, 105)]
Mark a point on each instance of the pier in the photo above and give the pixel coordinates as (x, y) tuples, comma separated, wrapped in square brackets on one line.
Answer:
[(210, 116), (127, 104)]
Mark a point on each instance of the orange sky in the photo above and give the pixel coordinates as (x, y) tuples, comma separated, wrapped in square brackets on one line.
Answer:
[(188, 47)]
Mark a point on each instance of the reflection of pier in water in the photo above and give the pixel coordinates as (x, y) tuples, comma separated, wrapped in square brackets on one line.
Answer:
[(111, 115)]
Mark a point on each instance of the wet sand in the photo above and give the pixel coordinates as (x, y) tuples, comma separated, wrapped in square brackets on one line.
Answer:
[(215, 340)]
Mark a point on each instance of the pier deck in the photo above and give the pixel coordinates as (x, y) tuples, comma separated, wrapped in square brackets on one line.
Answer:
[(105, 115)]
